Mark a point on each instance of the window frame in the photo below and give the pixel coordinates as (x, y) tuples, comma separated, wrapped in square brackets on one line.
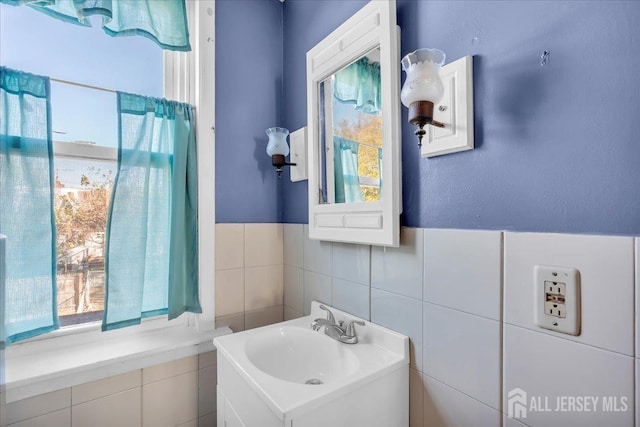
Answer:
[(190, 77), (187, 77)]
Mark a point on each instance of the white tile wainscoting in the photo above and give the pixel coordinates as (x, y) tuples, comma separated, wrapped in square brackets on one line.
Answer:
[(179, 393), (249, 275), (465, 298)]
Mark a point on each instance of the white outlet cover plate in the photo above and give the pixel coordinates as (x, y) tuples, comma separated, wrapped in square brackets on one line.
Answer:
[(455, 110), (298, 154), (563, 275)]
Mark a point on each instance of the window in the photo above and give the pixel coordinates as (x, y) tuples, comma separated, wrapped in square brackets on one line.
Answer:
[(84, 125), (81, 61)]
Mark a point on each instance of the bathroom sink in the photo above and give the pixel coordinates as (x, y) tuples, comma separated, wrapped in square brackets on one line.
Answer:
[(300, 355), (288, 370)]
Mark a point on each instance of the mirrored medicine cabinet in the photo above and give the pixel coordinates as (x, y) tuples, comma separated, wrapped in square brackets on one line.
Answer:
[(353, 88)]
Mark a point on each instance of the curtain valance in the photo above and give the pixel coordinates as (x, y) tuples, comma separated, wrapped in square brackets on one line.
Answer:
[(163, 21)]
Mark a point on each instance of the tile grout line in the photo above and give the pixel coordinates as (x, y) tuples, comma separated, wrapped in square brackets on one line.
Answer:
[(569, 340), (462, 392), (502, 306), (634, 328)]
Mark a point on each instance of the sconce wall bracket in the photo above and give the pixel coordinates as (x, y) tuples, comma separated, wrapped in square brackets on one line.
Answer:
[(455, 110), (421, 114), (298, 144), (278, 160)]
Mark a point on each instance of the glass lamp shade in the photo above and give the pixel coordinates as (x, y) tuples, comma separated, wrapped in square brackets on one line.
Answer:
[(277, 141), (423, 81)]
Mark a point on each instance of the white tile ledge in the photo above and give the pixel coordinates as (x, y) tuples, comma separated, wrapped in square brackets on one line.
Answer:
[(40, 369)]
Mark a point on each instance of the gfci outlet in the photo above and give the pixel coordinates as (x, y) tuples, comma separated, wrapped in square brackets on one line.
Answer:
[(557, 298)]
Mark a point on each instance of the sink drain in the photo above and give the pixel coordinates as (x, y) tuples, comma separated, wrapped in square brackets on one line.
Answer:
[(313, 381)]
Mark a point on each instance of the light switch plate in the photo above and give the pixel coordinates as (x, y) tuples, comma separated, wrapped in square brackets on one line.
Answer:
[(455, 110), (556, 292), (298, 154)]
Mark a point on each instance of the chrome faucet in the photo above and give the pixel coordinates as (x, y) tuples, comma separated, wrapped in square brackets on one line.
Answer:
[(345, 333)]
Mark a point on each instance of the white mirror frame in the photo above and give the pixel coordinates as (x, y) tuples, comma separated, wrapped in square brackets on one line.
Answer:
[(373, 223)]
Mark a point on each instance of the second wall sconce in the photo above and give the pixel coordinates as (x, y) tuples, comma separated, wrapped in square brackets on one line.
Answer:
[(278, 149), (440, 96)]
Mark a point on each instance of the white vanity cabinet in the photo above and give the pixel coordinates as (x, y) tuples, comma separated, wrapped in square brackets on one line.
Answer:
[(227, 416), (262, 372), (238, 404), (384, 403)]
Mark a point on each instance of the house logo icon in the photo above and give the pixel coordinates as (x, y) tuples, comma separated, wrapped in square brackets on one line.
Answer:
[(517, 403)]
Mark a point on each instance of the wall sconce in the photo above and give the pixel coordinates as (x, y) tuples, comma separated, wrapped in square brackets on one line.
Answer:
[(278, 148), (440, 96), (422, 88)]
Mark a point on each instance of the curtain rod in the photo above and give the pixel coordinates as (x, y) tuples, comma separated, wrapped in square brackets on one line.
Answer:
[(68, 82), (361, 143), (72, 83)]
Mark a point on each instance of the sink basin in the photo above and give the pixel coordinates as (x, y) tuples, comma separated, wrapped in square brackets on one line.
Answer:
[(301, 355), (289, 371)]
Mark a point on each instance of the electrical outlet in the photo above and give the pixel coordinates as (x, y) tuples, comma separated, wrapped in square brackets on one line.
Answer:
[(555, 296), (555, 288), (557, 299), (555, 309)]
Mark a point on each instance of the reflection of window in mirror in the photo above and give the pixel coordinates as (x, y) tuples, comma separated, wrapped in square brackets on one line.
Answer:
[(354, 119)]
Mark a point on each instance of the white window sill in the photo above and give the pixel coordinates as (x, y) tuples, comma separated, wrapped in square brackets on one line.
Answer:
[(38, 367)]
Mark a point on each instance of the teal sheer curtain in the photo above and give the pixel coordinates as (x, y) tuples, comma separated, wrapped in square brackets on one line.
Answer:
[(163, 21), (345, 163), (359, 84), (26, 201), (152, 244)]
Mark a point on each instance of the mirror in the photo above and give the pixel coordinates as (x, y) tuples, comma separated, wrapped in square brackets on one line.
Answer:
[(351, 132), (353, 87)]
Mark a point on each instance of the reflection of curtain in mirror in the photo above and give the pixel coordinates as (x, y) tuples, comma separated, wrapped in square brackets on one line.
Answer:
[(345, 163), (359, 84)]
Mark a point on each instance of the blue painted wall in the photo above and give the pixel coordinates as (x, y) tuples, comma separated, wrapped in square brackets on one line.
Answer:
[(557, 147), (248, 101), (305, 24)]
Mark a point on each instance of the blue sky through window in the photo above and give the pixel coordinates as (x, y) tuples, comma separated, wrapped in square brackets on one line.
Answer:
[(34, 42)]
